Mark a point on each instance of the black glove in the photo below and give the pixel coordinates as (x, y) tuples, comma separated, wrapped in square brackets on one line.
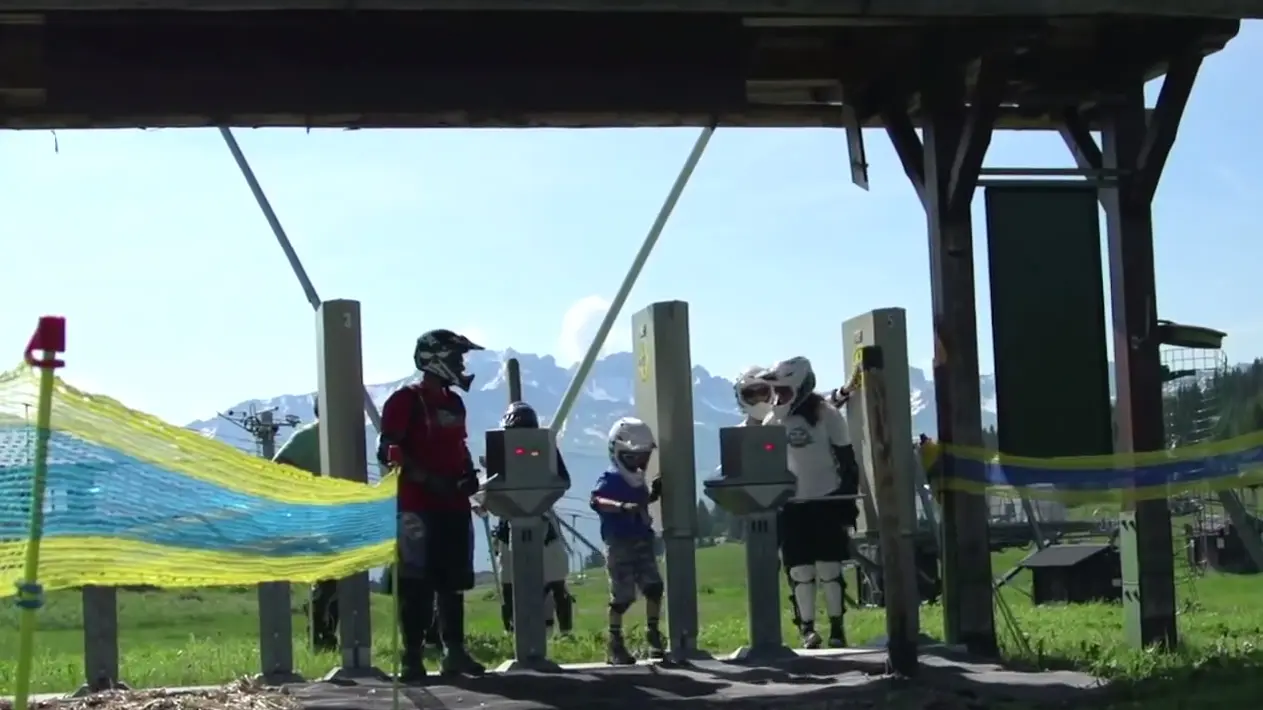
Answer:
[(468, 483), (655, 489), (849, 509), (438, 485), (839, 397)]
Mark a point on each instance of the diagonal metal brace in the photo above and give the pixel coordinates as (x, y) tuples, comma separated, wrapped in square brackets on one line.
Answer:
[(1078, 138), (265, 206)]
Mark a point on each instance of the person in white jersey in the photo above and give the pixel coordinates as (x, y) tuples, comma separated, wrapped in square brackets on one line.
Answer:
[(558, 602), (815, 525)]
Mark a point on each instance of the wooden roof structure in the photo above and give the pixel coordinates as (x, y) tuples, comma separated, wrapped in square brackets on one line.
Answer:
[(105, 64)]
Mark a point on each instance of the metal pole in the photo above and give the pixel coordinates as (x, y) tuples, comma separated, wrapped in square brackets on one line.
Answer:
[(276, 626), (574, 532), (514, 371), (282, 239), (267, 436), (633, 273)]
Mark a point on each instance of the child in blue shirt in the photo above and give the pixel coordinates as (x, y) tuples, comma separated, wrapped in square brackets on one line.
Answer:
[(621, 498)]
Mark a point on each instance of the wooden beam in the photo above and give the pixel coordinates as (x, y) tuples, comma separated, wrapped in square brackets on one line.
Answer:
[(855, 147), (1164, 123), (975, 138), (903, 137), (806, 10)]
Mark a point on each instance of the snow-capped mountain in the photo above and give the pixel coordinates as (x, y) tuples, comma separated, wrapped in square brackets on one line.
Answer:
[(606, 396)]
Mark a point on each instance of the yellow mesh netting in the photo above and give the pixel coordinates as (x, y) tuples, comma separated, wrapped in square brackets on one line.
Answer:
[(133, 500)]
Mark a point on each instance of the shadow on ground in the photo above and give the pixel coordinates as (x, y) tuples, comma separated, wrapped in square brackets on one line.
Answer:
[(854, 681), (1188, 678)]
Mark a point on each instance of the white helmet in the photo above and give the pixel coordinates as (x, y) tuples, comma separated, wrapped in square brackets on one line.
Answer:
[(792, 381), (754, 396), (631, 447)]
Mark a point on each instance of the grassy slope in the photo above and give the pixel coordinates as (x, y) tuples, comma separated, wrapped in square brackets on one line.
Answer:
[(206, 636)]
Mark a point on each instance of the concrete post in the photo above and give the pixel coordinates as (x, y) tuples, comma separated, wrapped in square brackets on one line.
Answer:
[(100, 640), (340, 373), (276, 623), (664, 400)]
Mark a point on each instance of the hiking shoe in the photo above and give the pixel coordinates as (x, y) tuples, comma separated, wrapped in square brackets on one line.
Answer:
[(657, 644), (616, 653), (837, 633), (412, 670), (457, 661), (811, 640)]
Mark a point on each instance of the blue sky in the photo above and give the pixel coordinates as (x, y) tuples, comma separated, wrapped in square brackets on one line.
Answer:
[(179, 301)]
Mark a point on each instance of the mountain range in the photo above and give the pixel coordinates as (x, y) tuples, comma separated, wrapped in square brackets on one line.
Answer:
[(607, 395)]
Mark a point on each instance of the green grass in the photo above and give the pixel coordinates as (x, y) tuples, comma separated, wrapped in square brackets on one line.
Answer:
[(205, 636)]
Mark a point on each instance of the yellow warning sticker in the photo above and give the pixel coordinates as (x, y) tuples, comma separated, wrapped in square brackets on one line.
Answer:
[(642, 359)]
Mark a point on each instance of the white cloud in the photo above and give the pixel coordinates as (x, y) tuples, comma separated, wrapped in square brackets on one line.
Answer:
[(579, 326)]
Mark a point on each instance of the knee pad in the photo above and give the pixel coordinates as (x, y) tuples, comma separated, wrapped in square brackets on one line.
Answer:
[(653, 592), (829, 576), (802, 588), (619, 607), (828, 572), (801, 574)]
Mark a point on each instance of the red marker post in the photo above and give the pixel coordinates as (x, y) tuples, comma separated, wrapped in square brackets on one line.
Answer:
[(49, 340)]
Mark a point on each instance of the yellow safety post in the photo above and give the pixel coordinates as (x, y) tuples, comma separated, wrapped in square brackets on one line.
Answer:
[(395, 458), (50, 340)]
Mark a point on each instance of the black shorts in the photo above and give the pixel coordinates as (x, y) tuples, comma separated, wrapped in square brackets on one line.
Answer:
[(813, 531), (438, 547)]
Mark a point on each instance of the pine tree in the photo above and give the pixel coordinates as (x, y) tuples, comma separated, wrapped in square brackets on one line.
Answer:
[(736, 528), (705, 523), (719, 521)]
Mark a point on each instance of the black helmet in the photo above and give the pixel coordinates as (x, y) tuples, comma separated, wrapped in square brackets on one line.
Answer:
[(442, 354), (519, 415)]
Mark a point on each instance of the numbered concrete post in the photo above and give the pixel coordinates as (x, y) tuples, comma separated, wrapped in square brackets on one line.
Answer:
[(523, 485), (664, 400), (754, 482), (343, 454)]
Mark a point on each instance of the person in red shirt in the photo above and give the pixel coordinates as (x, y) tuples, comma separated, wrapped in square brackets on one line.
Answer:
[(424, 422)]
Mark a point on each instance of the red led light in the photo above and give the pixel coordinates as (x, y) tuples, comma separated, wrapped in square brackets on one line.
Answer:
[(519, 451), (769, 447)]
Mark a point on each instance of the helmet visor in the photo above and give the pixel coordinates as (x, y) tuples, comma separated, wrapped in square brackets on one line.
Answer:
[(758, 393), (634, 460), (782, 395)]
